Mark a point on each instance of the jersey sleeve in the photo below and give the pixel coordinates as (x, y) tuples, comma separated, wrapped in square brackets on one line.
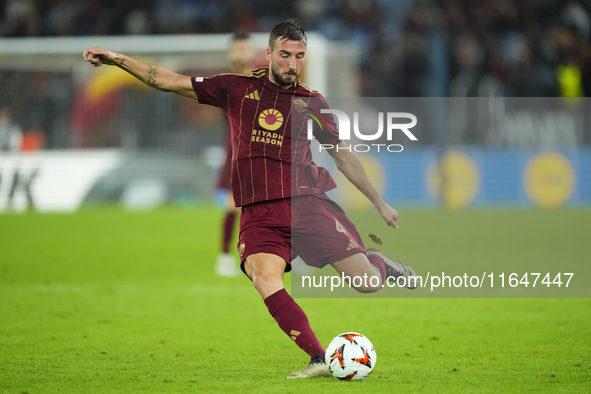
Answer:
[(213, 90)]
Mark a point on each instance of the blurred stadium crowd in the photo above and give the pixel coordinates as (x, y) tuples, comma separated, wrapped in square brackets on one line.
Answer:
[(410, 47)]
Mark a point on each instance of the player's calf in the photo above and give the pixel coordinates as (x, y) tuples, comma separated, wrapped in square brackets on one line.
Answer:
[(359, 273)]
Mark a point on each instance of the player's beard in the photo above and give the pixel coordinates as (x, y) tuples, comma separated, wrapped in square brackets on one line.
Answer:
[(280, 80)]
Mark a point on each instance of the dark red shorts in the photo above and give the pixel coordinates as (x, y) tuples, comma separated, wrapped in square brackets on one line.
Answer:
[(313, 227)]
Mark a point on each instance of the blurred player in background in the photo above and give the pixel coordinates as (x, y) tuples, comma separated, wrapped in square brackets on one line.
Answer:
[(282, 217), (11, 134), (241, 55)]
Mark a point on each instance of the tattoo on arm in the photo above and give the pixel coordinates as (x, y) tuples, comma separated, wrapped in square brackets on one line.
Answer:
[(122, 62), (151, 78)]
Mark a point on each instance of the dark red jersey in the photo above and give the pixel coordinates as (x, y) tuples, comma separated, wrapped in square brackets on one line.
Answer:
[(271, 155)]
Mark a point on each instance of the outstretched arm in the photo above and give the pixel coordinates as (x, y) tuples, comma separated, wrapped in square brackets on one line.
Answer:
[(152, 75), (349, 164)]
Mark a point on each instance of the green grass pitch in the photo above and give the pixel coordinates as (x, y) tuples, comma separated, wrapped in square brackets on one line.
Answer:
[(107, 301)]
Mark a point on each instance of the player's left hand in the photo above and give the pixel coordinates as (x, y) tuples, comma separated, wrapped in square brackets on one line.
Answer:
[(389, 214)]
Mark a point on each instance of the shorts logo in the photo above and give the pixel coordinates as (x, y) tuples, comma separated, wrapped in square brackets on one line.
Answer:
[(271, 119), (352, 245), (241, 250)]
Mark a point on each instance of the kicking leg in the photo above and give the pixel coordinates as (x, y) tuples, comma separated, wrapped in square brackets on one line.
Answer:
[(375, 268)]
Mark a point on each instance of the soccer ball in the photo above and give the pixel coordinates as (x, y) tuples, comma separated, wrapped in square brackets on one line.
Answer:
[(350, 356)]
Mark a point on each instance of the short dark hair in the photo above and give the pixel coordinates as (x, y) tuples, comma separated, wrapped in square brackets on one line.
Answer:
[(240, 35), (289, 29)]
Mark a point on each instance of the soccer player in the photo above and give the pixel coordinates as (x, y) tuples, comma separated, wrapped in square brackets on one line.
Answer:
[(241, 55), (283, 214)]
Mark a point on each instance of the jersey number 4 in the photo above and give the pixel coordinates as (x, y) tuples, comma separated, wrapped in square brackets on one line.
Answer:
[(340, 228)]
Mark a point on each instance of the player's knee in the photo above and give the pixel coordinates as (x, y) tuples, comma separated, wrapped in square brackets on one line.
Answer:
[(266, 286), (259, 283), (261, 279), (266, 272), (266, 282)]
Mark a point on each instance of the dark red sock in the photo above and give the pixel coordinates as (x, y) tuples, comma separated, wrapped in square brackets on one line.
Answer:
[(293, 321), (227, 231), (377, 262)]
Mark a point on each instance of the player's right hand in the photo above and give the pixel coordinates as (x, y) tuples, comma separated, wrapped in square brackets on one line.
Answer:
[(389, 214), (98, 56)]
